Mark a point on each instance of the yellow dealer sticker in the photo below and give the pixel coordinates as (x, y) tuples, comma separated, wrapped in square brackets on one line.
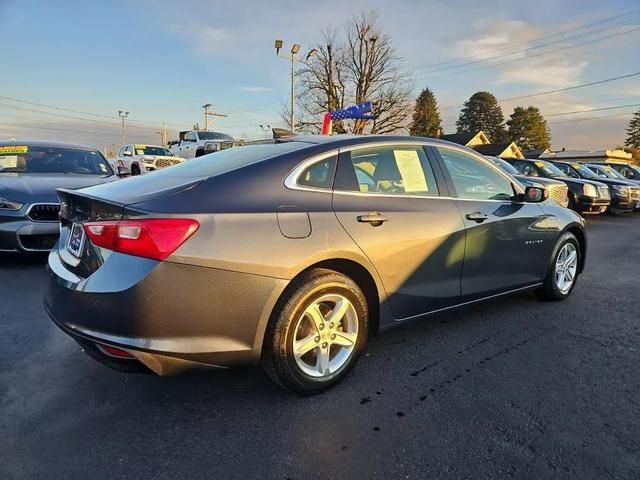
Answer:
[(139, 147), (540, 164), (13, 149)]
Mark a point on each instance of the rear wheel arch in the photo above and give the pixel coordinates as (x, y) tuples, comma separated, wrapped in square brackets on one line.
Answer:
[(350, 268)]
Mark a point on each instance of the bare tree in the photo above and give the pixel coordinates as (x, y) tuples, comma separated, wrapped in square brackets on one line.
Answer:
[(351, 67)]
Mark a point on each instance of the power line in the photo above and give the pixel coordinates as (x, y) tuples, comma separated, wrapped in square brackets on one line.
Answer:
[(534, 40), (534, 47), (593, 110), (565, 89), (575, 120), (529, 57), (59, 129), (53, 107)]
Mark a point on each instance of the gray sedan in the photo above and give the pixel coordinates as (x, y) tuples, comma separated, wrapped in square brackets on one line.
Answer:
[(293, 254)]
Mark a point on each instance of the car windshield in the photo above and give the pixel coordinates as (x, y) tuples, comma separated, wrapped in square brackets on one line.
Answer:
[(608, 172), (549, 169), (31, 159), (584, 170), (214, 136), (506, 166), (151, 150)]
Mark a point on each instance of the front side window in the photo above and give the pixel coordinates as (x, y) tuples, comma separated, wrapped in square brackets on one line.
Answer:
[(400, 170), (473, 179), (319, 175)]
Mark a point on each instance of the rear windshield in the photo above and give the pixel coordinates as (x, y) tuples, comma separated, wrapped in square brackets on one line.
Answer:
[(214, 136), (30, 159), (227, 160)]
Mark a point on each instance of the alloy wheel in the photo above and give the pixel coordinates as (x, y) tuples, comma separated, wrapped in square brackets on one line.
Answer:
[(325, 335), (566, 267)]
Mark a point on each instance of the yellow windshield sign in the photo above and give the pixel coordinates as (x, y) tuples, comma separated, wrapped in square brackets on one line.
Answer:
[(13, 149), (139, 147), (540, 164)]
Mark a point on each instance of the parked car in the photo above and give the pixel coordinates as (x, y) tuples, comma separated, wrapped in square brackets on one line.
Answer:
[(30, 173), (281, 254), (558, 190), (585, 196), (196, 143), (142, 159), (624, 194), (630, 171)]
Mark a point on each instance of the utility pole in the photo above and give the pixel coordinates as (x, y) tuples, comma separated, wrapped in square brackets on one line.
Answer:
[(207, 113), (123, 115), (164, 135)]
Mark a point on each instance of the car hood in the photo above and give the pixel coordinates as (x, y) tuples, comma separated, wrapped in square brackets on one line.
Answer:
[(544, 181), (580, 181), (34, 187), (613, 181)]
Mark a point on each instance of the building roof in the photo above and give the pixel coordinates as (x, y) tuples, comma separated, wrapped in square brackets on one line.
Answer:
[(588, 154), (468, 139), (499, 149), (535, 153)]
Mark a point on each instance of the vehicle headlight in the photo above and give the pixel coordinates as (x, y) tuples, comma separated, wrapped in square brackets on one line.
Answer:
[(9, 205), (622, 190), (590, 190)]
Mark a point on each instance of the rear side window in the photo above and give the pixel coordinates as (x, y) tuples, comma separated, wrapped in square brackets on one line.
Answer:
[(319, 175), (474, 179), (400, 170)]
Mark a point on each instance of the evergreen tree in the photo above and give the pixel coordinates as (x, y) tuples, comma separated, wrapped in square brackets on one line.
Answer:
[(482, 112), (426, 120), (528, 128), (633, 132)]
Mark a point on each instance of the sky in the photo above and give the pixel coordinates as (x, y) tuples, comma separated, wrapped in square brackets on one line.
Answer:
[(162, 60)]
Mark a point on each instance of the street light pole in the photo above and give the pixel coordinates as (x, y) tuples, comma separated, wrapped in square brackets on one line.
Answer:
[(123, 115), (207, 113), (294, 51)]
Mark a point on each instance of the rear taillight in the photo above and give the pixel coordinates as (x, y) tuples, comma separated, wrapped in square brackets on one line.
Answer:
[(155, 238)]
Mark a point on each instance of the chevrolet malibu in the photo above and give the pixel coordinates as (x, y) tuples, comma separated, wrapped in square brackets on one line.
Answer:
[(293, 254)]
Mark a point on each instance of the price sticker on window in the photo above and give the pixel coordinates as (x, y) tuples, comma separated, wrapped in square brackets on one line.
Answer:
[(408, 163), (13, 149)]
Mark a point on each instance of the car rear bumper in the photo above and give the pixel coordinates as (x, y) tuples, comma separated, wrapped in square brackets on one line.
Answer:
[(23, 235), (171, 317)]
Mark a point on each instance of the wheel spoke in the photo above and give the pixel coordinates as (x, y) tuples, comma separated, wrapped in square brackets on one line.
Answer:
[(345, 339), (568, 274), (570, 258), (300, 347), (338, 312), (316, 316), (322, 363)]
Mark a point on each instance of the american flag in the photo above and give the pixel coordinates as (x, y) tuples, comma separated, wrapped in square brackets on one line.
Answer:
[(360, 111)]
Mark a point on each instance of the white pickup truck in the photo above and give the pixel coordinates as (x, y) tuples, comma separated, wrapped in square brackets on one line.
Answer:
[(141, 159), (194, 143)]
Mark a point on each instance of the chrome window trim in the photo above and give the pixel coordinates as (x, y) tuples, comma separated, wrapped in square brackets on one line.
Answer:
[(41, 221), (291, 180)]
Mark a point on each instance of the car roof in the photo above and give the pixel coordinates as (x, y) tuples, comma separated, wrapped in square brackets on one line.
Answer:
[(342, 140), (44, 143)]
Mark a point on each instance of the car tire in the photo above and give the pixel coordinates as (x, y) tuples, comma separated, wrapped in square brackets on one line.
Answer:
[(199, 153), (556, 285), (303, 320), (135, 169)]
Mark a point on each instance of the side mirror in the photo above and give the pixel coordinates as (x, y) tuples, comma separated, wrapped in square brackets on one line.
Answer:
[(123, 171), (127, 154), (535, 194)]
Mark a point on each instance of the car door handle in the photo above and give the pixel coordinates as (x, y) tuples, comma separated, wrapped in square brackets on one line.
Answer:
[(477, 217), (375, 219)]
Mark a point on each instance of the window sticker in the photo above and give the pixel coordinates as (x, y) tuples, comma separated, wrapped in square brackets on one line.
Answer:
[(13, 149), (411, 170), (540, 164), (8, 161)]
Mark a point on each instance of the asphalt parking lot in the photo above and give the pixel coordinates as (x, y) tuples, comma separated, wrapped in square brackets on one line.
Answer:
[(513, 388)]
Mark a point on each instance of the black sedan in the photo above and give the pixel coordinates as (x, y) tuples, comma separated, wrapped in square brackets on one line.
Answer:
[(624, 194), (585, 196), (558, 190), (293, 254), (30, 173)]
